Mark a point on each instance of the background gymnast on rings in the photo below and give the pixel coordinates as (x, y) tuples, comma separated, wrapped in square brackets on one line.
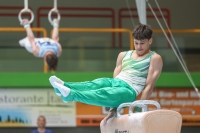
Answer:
[(48, 48)]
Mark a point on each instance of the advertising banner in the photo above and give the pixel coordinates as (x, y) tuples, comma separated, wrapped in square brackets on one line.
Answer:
[(21, 107), (185, 101), (88, 115)]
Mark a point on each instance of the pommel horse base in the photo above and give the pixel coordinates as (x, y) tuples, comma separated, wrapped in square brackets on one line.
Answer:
[(156, 121)]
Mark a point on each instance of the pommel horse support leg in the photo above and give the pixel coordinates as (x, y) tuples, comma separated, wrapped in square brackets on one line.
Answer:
[(156, 121)]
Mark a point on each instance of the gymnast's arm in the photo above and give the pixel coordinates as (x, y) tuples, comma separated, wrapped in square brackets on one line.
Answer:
[(30, 35), (117, 70), (118, 67), (55, 34), (31, 38), (155, 69)]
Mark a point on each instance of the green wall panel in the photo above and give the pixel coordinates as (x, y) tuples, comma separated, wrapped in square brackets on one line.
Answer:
[(28, 80)]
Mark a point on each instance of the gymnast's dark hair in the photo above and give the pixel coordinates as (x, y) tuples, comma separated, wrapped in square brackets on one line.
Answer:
[(142, 31), (52, 62)]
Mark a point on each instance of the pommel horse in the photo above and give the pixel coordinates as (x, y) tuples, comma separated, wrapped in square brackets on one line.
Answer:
[(156, 121)]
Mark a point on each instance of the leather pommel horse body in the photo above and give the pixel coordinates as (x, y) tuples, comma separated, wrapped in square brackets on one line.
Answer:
[(157, 121)]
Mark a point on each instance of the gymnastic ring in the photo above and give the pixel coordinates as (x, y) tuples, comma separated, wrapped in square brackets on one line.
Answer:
[(128, 105), (23, 11), (49, 15), (145, 102)]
